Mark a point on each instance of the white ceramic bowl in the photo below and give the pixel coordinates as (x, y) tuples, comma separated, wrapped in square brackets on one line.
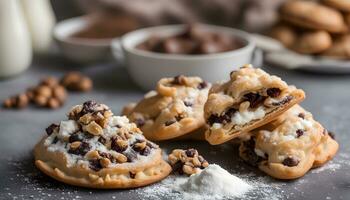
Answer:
[(80, 50), (146, 68)]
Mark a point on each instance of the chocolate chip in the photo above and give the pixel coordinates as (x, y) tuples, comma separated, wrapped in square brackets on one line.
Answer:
[(132, 175), (177, 167), (131, 155), (95, 165), (81, 150), (102, 140), (55, 140), (284, 101), (151, 145), (202, 85), (177, 80), (116, 147), (179, 117), (146, 151), (299, 132), (273, 92), (188, 104), (331, 134), (254, 99), (89, 107), (249, 152), (139, 122), (290, 161), (170, 122), (75, 137), (301, 115), (49, 130), (191, 152), (107, 155), (223, 119)]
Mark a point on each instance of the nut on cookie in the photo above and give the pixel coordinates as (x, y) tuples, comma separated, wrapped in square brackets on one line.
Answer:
[(96, 149)]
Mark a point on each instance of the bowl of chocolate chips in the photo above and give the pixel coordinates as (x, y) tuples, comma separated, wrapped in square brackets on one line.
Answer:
[(208, 51)]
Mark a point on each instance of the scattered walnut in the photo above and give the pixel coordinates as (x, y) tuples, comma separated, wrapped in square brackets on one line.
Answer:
[(105, 162), (18, 101), (77, 82), (94, 128), (48, 93), (187, 161)]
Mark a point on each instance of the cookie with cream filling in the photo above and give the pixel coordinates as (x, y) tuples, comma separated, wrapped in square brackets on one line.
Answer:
[(250, 99)]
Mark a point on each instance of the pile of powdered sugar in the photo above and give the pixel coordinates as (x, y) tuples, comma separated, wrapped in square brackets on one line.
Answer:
[(213, 182)]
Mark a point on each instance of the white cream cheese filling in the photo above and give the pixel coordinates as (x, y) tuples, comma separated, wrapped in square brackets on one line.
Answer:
[(241, 118)]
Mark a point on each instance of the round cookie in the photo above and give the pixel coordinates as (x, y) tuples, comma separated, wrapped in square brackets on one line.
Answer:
[(96, 149), (312, 42), (311, 15), (173, 110), (326, 150), (340, 48), (285, 34), (343, 5)]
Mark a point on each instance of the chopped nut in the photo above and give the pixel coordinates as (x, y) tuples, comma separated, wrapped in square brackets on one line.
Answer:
[(85, 84), (196, 162), (94, 128), (49, 81), (105, 162), (93, 155), (86, 119), (205, 164), (44, 91), (75, 145), (77, 82), (244, 106), (187, 161), (18, 101), (53, 103), (188, 169), (59, 93), (40, 100), (8, 103), (140, 145), (119, 145), (121, 158)]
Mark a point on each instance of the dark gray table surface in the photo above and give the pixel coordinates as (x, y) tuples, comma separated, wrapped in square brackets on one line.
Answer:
[(328, 98)]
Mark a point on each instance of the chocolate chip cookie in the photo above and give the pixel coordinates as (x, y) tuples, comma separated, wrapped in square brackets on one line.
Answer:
[(96, 149), (250, 99), (173, 110), (290, 146)]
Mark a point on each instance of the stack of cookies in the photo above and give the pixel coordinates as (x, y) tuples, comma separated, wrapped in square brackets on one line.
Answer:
[(315, 27), (280, 137)]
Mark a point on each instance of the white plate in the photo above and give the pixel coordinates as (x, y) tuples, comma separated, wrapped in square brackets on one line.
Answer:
[(279, 56)]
